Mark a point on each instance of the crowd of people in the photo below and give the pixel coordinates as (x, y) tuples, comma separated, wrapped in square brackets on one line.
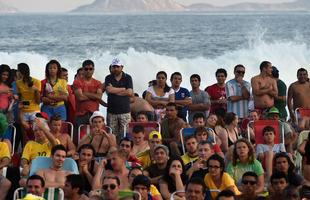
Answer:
[(222, 157)]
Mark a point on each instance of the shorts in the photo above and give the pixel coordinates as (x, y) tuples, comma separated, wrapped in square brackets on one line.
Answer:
[(53, 110), (30, 116)]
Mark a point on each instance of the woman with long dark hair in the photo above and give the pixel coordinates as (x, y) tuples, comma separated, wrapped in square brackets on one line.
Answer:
[(174, 178), (217, 178), (160, 94), (29, 92), (6, 94), (54, 91)]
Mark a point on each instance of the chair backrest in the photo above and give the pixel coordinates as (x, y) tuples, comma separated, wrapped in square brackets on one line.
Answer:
[(177, 194), (84, 129), (45, 162), (10, 134), (49, 194), (67, 127), (124, 194), (258, 127), (148, 127), (185, 132)]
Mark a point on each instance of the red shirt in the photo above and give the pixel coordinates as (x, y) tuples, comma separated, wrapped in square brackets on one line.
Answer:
[(216, 92), (92, 86)]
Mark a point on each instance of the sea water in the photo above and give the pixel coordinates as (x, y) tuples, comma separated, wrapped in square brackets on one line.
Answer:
[(147, 43)]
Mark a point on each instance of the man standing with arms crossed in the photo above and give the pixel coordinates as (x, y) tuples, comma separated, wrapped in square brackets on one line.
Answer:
[(119, 89), (264, 87)]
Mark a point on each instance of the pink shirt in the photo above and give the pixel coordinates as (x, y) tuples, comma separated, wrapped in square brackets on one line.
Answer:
[(4, 97)]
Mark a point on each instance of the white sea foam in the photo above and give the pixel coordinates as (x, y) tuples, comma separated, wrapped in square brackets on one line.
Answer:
[(288, 56)]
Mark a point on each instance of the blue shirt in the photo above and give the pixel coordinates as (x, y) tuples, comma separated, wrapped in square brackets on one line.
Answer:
[(181, 94)]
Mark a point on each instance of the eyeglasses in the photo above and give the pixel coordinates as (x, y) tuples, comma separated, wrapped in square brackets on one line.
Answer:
[(240, 72), (214, 167), (88, 69), (111, 186), (246, 182)]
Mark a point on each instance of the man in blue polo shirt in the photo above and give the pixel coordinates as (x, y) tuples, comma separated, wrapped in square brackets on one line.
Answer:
[(182, 96), (119, 89)]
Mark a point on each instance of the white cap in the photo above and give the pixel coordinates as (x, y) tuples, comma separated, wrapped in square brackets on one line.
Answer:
[(116, 62), (95, 114)]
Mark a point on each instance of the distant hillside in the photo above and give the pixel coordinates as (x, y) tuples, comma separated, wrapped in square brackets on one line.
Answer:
[(101, 6), (299, 5), (7, 9)]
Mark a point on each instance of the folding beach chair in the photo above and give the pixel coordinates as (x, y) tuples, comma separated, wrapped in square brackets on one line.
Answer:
[(123, 194), (49, 194), (10, 134), (186, 132), (258, 127), (148, 127), (84, 129), (67, 127), (46, 162)]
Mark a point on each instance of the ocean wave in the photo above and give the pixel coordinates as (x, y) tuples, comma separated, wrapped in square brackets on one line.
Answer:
[(287, 56)]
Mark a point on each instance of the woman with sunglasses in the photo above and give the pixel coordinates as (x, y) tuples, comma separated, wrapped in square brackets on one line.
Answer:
[(173, 179), (54, 91), (160, 94), (217, 178), (244, 160)]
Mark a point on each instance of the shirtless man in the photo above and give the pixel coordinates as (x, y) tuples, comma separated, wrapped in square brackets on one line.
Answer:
[(299, 95), (98, 137), (64, 138), (264, 87), (170, 128), (139, 143), (55, 176), (138, 105)]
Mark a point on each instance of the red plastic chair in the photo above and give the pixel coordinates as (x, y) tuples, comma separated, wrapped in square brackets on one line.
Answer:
[(258, 127), (302, 112), (67, 127), (148, 127)]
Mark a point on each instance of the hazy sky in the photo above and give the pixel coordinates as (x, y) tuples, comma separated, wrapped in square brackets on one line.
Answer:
[(66, 5)]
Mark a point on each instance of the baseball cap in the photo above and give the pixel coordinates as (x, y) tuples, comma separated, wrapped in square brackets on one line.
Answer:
[(42, 115), (96, 114), (161, 146), (273, 110), (154, 134), (116, 62)]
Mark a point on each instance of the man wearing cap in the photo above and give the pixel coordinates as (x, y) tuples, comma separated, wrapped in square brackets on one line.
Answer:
[(99, 138), (238, 93), (280, 99), (289, 134), (146, 157), (299, 95), (88, 93), (157, 169), (264, 87), (119, 89)]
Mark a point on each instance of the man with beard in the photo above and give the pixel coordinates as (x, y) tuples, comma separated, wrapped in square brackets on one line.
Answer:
[(192, 150), (55, 176), (249, 185), (119, 88), (156, 170), (264, 87), (170, 129), (299, 96)]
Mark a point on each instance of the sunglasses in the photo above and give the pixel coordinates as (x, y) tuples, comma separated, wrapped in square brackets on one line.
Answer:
[(214, 167), (245, 182), (88, 69), (111, 186), (240, 72)]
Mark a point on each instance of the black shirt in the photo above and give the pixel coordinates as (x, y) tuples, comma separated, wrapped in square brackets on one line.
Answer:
[(118, 104)]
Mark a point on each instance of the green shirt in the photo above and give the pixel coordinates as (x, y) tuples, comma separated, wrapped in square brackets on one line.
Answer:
[(239, 169)]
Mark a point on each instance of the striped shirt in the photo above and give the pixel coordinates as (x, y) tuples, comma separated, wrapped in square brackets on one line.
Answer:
[(241, 107)]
